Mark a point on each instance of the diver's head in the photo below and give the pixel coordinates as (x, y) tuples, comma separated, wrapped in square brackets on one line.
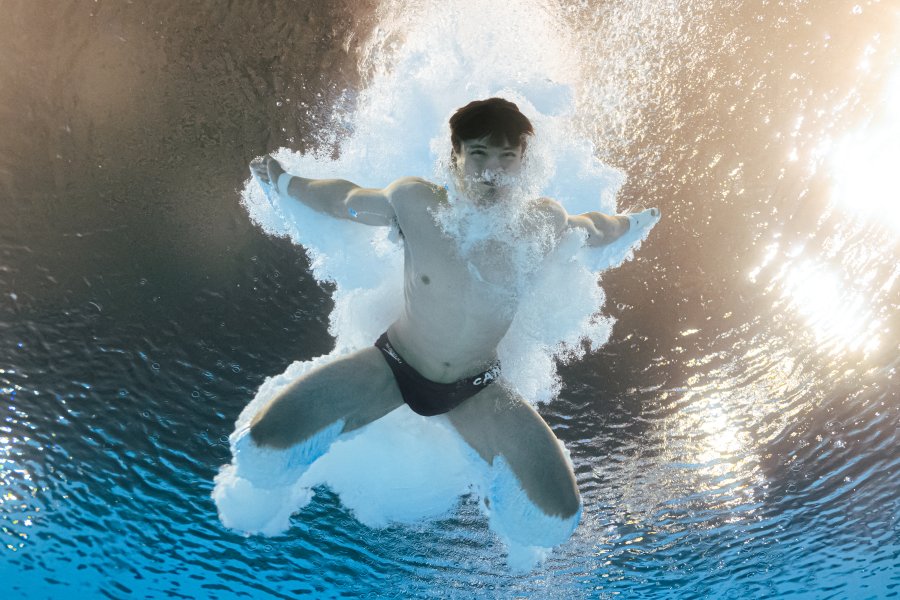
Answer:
[(489, 139)]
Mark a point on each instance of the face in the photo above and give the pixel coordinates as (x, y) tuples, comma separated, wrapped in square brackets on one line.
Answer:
[(484, 169)]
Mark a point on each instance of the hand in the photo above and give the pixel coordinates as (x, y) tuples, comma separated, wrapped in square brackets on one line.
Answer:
[(608, 229), (267, 169)]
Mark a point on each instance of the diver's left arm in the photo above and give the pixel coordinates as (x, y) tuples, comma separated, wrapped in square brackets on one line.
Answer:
[(601, 229)]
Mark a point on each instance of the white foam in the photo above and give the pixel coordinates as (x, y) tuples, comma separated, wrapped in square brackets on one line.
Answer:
[(405, 467), (528, 532), (399, 469), (252, 508)]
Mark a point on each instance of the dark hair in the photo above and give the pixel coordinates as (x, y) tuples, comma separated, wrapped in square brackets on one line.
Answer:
[(496, 117)]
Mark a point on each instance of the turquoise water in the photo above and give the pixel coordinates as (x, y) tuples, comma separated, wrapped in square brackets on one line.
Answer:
[(736, 436)]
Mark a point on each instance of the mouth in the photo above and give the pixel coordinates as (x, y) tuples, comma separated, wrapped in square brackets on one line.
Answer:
[(495, 180)]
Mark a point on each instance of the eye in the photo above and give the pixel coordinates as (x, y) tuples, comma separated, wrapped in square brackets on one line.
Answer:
[(476, 152)]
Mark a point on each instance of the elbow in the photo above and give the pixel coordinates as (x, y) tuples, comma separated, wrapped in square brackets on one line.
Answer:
[(595, 238)]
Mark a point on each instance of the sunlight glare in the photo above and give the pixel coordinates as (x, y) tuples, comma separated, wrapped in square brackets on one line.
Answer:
[(864, 165), (840, 319)]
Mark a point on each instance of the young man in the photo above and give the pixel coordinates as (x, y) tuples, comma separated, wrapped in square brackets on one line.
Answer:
[(440, 356)]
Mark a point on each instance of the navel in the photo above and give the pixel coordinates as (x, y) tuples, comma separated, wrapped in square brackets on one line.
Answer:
[(425, 279)]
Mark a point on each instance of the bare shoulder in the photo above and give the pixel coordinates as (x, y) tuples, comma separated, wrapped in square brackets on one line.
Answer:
[(413, 186), (414, 191)]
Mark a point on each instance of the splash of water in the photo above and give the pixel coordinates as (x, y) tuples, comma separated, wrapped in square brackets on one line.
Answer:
[(423, 61)]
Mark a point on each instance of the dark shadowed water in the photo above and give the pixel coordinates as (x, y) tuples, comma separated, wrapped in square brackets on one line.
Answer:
[(736, 438)]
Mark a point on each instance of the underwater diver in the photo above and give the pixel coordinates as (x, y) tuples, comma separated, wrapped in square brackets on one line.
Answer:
[(440, 355)]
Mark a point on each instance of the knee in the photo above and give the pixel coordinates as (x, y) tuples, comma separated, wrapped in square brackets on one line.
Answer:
[(282, 422), (545, 517), (263, 431), (564, 501), (278, 462), (545, 475), (554, 494)]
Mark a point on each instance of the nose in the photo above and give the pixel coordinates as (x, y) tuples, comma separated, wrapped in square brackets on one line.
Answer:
[(493, 163)]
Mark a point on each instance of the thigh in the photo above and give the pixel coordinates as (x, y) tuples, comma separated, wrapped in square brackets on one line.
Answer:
[(357, 388), (498, 422)]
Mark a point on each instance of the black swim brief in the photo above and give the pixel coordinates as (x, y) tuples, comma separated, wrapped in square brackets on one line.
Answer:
[(430, 398)]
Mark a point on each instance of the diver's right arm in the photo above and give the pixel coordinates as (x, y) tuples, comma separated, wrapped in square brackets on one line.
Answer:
[(334, 197)]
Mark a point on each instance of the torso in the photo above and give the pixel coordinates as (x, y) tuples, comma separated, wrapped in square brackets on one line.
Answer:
[(458, 306)]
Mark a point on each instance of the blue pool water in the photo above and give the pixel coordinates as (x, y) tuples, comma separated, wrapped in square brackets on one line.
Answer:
[(736, 436)]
